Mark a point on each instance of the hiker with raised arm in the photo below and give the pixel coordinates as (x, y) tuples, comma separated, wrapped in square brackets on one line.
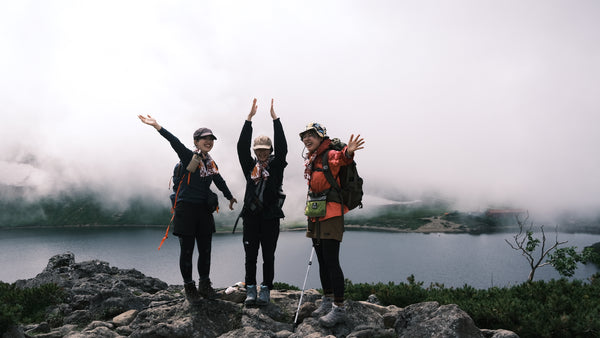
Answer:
[(194, 205), (325, 216), (263, 201)]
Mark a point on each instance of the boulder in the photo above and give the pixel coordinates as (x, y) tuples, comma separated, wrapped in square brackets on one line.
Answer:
[(104, 301)]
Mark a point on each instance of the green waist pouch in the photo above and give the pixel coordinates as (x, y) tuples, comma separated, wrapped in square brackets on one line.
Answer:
[(316, 206)]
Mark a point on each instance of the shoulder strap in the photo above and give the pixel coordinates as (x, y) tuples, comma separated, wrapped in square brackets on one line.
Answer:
[(236, 222), (327, 172), (172, 212), (332, 181), (180, 170)]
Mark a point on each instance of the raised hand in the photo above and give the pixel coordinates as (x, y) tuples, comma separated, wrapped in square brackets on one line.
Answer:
[(273, 115), (354, 144), (149, 120), (253, 110)]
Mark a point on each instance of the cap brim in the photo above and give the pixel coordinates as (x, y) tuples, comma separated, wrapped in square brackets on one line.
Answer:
[(312, 129)]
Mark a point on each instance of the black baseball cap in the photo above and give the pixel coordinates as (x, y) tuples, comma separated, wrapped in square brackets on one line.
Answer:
[(202, 132)]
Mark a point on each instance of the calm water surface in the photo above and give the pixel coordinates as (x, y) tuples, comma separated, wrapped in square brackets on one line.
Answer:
[(452, 259)]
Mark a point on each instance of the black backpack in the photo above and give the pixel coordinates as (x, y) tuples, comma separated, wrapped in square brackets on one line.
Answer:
[(350, 190), (179, 172)]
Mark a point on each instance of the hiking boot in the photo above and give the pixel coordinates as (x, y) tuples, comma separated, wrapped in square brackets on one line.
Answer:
[(250, 295), (335, 316), (264, 296), (205, 289), (191, 293), (324, 308)]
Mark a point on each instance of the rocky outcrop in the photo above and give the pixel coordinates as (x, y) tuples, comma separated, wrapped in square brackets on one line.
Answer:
[(104, 301)]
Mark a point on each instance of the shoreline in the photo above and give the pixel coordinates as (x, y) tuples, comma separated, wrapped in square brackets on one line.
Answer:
[(427, 228), (435, 225), (349, 227)]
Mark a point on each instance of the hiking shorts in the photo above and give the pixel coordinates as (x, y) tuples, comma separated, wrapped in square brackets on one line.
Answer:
[(331, 228), (192, 219)]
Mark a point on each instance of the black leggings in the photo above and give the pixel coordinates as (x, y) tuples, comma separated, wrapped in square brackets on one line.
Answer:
[(186, 243), (330, 271), (263, 233)]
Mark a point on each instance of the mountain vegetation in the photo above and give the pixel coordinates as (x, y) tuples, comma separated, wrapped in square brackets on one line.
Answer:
[(90, 208), (79, 208)]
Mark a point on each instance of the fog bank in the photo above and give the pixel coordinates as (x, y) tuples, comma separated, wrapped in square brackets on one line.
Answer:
[(480, 103)]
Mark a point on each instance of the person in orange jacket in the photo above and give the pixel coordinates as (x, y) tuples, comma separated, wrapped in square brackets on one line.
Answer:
[(326, 229)]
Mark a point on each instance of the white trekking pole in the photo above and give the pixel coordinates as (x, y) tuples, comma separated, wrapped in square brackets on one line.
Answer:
[(312, 252)]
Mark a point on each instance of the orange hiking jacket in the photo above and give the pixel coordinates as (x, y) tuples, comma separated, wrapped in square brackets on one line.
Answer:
[(318, 182)]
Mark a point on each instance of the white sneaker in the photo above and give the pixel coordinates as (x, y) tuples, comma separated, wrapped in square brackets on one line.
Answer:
[(324, 308), (335, 316)]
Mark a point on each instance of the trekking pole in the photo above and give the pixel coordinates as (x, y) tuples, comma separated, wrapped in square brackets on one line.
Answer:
[(312, 252)]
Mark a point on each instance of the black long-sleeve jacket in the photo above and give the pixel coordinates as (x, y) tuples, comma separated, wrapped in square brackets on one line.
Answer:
[(273, 194), (198, 188)]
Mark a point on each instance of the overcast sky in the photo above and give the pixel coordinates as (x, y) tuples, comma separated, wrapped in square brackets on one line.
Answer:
[(484, 102)]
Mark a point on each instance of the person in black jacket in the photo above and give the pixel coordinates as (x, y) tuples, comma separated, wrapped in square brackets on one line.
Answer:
[(194, 205), (262, 202)]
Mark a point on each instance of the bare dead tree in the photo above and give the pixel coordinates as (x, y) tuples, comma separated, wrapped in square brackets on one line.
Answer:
[(527, 245)]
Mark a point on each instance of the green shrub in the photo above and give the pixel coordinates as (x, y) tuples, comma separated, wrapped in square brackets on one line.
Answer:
[(26, 305), (400, 295), (556, 308), (284, 286)]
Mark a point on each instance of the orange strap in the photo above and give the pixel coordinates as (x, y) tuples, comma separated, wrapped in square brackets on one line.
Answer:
[(172, 212), (166, 233)]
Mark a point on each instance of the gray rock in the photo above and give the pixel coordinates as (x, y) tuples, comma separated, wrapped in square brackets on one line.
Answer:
[(373, 333), (263, 319), (78, 317), (373, 299), (283, 334), (43, 327), (432, 320), (498, 334), (237, 295), (14, 332), (125, 318), (306, 310), (97, 323), (59, 332), (98, 332), (248, 332), (104, 301), (124, 330)]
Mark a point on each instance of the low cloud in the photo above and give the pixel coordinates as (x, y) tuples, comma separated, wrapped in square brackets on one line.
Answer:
[(485, 104)]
